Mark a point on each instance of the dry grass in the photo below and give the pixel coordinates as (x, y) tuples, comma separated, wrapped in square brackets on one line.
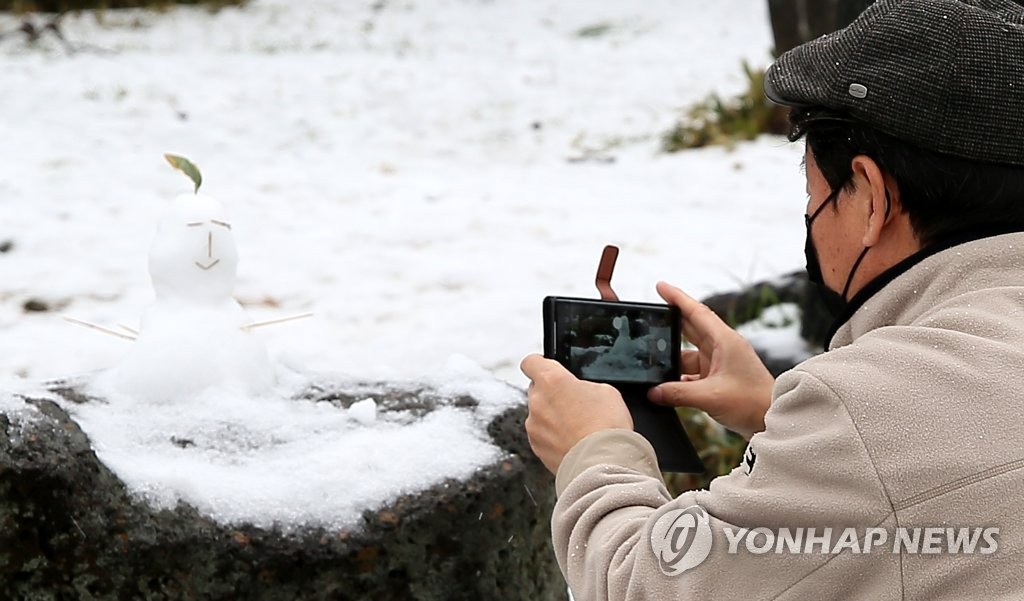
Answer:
[(721, 121), (57, 6)]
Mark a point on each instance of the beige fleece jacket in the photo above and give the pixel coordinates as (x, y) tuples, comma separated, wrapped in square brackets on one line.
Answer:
[(912, 419)]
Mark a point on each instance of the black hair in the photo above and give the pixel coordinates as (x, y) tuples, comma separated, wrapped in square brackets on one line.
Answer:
[(942, 194)]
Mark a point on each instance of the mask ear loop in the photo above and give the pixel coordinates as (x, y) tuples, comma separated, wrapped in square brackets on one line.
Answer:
[(831, 198), (856, 264)]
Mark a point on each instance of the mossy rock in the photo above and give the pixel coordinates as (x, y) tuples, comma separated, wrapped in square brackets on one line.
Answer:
[(70, 530)]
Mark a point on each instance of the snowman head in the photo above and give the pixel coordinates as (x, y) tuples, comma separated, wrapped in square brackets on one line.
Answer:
[(193, 256)]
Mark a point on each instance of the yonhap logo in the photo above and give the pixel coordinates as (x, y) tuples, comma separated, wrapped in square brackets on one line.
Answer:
[(681, 539)]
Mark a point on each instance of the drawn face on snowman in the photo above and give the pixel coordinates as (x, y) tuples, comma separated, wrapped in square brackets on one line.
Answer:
[(193, 256)]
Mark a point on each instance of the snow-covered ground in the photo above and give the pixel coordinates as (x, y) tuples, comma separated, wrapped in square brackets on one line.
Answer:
[(418, 174), (407, 170)]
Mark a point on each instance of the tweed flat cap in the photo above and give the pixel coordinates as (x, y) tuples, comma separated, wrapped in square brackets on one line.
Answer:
[(945, 75)]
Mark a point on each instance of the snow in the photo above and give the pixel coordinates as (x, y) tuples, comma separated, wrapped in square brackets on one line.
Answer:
[(419, 175), (364, 411), (777, 330), (275, 460), (383, 171)]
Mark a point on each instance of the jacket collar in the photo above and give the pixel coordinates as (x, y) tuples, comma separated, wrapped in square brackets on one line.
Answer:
[(935, 273)]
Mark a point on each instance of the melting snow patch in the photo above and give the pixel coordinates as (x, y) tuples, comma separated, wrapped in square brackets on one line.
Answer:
[(21, 414), (13, 392)]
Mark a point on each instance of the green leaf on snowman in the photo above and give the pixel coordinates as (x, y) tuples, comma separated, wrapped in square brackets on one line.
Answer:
[(187, 167)]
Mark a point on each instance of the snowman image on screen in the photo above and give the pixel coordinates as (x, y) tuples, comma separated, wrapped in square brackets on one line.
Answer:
[(195, 336), (635, 354), (622, 357)]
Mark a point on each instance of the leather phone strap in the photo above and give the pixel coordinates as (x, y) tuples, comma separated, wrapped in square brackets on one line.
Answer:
[(605, 269)]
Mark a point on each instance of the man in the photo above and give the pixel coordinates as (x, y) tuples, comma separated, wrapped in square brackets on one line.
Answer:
[(910, 424)]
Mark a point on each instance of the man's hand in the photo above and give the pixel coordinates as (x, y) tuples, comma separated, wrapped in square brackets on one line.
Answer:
[(723, 377), (564, 409)]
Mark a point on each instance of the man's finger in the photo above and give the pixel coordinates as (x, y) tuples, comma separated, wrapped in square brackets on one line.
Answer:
[(690, 362), (675, 296), (536, 366), (700, 324)]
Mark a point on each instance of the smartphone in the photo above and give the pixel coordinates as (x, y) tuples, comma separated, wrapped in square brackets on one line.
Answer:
[(632, 346), (613, 342)]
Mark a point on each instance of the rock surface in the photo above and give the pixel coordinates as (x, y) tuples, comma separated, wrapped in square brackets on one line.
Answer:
[(747, 304), (69, 529)]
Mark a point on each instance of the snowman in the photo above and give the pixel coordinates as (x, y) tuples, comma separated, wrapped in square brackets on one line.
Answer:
[(195, 337)]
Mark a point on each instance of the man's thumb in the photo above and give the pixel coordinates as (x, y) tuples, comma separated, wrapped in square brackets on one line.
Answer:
[(692, 393)]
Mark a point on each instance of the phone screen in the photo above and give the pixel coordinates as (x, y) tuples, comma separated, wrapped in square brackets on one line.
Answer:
[(604, 341)]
